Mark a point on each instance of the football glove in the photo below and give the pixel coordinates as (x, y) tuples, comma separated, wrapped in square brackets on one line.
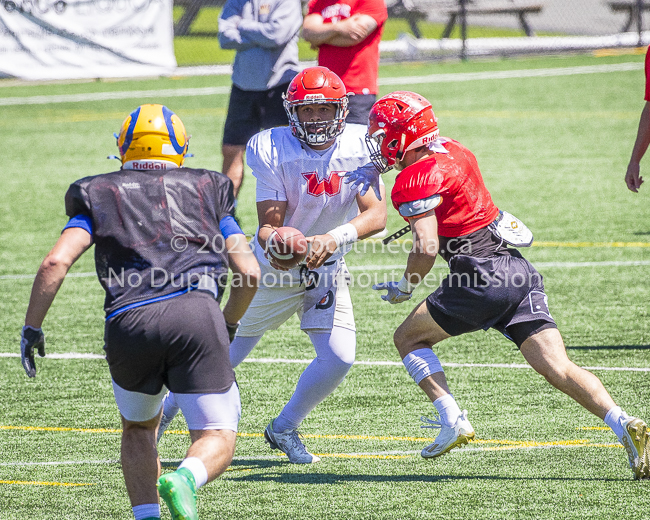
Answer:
[(31, 338), (232, 330), (394, 295), (363, 178)]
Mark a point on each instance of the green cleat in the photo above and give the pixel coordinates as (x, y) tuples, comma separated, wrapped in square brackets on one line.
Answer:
[(178, 490)]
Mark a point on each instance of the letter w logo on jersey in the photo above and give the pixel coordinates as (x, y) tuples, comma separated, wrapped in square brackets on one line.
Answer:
[(315, 187)]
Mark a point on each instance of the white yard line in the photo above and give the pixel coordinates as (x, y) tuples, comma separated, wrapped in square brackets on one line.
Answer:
[(540, 265), (109, 96), (513, 74), (515, 366), (402, 80)]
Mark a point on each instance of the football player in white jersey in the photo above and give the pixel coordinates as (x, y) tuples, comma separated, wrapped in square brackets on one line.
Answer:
[(299, 172)]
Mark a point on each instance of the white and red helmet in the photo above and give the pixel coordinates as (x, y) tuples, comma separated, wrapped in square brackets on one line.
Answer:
[(399, 122), (316, 85)]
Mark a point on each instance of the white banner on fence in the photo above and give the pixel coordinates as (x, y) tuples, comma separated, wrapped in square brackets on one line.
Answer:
[(66, 39)]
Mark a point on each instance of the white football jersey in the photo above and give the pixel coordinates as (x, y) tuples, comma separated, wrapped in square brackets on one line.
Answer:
[(318, 199)]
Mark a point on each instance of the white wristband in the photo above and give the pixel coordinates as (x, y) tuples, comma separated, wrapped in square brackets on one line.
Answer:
[(405, 286), (345, 234)]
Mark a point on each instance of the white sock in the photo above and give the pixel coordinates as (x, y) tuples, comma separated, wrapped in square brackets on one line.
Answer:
[(197, 468), (146, 511), (422, 363), (613, 420), (335, 353), (448, 409), (170, 407)]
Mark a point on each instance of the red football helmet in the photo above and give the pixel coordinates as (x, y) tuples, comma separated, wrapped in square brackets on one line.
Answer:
[(399, 122), (316, 85)]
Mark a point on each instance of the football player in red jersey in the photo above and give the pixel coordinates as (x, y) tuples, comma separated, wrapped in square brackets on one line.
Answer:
[(440, 192)]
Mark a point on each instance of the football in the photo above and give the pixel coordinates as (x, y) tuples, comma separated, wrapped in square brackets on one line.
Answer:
[(288, 247)]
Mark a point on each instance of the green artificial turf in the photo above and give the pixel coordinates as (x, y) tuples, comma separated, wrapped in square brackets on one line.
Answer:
[(553, 151)]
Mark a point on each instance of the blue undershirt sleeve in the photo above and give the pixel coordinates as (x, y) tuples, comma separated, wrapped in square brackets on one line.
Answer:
[(80, 221), (228, 226)]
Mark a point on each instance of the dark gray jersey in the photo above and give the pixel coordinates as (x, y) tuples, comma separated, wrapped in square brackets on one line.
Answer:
[(155, 232)]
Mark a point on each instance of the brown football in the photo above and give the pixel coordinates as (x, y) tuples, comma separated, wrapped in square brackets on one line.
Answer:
[(288, 247)]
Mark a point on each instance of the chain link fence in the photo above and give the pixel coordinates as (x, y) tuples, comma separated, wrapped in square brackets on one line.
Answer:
[(437, 29)]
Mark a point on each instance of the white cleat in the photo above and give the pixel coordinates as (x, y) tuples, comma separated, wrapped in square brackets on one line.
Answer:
[(289, 442), (636, 441), (450, 437)]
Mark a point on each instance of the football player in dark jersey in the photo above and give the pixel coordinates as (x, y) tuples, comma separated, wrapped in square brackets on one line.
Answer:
[(164, 239), (440, 193)]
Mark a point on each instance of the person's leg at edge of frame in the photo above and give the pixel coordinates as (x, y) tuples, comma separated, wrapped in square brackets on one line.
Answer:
[(239, 349), (233, 164), (414, 339), (233, 168), (207, 458), (546, 353), (141, 466), (212, 421)]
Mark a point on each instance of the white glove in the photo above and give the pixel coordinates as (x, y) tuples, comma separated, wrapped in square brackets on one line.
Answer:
[(363, 178), (394, 295)]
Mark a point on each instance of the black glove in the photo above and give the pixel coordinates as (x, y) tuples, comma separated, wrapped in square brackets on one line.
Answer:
[(232, 330), (31, 338)]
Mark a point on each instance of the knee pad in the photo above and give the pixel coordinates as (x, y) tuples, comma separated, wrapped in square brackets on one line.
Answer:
[(422, 363)]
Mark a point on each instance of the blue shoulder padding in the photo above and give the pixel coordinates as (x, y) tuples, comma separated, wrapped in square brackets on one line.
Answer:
[(228, 226), (80, 221)]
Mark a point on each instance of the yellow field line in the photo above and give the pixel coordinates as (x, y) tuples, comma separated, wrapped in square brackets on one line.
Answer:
[(60, 429), (361, 456), (501, 444), (37, 483), (601, 53), (541, 243)]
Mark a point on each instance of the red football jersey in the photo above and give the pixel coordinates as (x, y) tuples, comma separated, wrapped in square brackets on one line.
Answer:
[(466, 203), (357, 65)]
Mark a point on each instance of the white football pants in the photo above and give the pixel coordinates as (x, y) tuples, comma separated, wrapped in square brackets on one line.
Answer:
[(335, 352)]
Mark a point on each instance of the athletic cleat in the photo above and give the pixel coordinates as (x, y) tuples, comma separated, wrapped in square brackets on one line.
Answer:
[(289, 442), (450, 437), (636, 441), (178, 490), (165, 421)]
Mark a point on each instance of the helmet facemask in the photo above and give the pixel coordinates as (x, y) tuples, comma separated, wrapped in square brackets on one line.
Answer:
[(315, 133), (374, 143), (398, 123)]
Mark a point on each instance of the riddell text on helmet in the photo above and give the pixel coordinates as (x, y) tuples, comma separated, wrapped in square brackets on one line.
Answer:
[(148, 165)]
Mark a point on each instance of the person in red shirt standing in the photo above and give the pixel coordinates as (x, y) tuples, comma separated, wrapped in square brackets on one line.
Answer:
[(441, 193), (347, 35), (633, 177)]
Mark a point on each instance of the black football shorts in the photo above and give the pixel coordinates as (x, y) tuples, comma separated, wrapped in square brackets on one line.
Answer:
[(251, 111), (504, 292), (181, 343)]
